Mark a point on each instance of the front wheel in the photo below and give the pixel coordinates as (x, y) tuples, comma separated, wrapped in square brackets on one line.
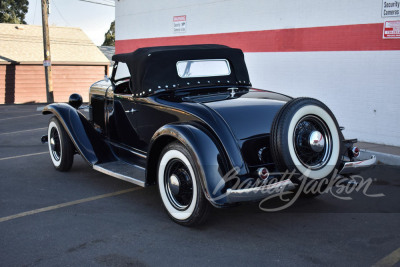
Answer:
[(180, 187), (60, 146)]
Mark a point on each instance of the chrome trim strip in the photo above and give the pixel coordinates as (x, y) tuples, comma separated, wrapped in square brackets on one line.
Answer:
[(257, 193), (119, 176), (356, 166), (130, 111), (137, 153)]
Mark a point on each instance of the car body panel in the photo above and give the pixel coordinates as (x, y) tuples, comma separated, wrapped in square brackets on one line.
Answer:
[(249, 116)]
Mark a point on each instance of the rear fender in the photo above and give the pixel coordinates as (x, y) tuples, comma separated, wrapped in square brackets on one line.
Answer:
[(206, 153)]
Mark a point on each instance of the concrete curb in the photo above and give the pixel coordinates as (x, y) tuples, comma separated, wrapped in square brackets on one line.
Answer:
[(383, 158)]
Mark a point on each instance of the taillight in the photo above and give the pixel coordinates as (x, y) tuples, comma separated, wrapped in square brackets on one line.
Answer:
[(356, 152), (263, 173)]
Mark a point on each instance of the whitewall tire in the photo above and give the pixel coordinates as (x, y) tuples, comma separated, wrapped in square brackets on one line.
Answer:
[(179, 186), (61, 148)]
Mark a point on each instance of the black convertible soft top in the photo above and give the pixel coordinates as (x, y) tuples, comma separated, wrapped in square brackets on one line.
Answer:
[(153, 69)]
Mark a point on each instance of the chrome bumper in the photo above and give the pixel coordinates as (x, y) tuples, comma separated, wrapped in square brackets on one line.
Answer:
[(357, 166), (257, 193)]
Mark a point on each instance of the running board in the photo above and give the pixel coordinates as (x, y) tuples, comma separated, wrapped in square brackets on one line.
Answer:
[(124, 171)]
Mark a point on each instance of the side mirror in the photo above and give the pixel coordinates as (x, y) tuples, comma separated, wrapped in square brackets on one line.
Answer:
[(75, 100)]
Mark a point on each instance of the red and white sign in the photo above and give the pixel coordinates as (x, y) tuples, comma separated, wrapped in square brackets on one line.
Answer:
[(391, 29), (179, 24)]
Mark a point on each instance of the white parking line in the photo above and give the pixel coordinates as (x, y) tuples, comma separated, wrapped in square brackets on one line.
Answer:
[(389, 260), (23, 131), (66, 204), (26, 155), (21, 117), (16, 111)]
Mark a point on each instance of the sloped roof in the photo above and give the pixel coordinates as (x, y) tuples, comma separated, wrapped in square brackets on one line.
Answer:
[(24, 44), (108, 51)]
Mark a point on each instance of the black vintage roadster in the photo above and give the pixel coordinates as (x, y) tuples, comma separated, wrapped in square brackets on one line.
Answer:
[(187, 119)]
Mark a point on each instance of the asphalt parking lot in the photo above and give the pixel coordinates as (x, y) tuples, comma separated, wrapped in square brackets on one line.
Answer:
[(86, 218)]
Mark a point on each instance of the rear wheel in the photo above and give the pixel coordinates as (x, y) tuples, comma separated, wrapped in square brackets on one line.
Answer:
[(305, 137), (179, 186), (60, 146)]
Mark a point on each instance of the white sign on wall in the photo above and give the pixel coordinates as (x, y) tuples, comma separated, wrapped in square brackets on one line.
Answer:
[(390, 8), (391, 29), (179, 24)]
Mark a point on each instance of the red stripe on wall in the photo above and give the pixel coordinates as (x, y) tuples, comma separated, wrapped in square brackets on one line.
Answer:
[(360, 37)]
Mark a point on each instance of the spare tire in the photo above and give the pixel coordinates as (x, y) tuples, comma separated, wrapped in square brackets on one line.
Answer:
[(305, 137)]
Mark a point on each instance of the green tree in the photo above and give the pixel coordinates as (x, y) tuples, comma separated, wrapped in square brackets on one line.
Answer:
[(109, 37), (13, 11)]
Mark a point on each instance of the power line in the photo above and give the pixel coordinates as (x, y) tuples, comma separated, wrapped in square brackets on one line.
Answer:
[(59, 13), (34, 13), (98, 3)]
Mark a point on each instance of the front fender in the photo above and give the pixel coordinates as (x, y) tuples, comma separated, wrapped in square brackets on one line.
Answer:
[(208, 156), (73, 121)]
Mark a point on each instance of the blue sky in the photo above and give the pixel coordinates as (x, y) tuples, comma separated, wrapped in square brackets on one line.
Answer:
[(94, 19)]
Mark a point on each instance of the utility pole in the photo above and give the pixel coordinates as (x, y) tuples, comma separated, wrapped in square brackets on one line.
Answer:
[(46, 49)]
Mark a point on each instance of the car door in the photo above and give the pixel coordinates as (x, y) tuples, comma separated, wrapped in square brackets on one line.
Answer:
[(120, 109)]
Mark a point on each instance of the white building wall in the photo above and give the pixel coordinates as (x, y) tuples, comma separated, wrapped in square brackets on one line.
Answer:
[(153, 18), (361, 87)]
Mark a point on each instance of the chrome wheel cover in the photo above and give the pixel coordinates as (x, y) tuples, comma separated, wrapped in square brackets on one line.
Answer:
[(312, 141)]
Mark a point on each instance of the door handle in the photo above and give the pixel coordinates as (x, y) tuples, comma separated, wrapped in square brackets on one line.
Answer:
[(130, 111)]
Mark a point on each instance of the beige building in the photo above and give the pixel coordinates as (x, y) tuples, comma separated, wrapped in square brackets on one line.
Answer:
[(76, 63)]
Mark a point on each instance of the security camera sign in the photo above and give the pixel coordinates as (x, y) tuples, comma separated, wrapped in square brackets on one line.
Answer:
[(179, 24), (390, 8), (391, 29)]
